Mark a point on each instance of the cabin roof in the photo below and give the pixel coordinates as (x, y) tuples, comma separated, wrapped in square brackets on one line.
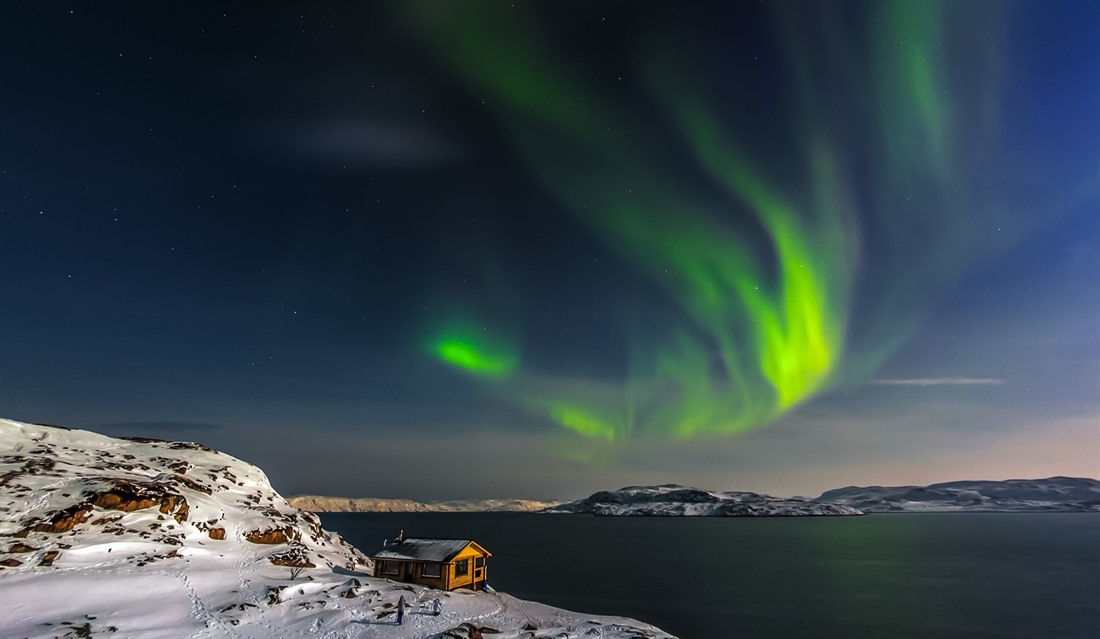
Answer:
[(420, 549)]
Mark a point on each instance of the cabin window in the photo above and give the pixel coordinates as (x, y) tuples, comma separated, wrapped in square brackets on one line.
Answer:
[(390, 568), (479, 562), (462, 568), (430, 570)]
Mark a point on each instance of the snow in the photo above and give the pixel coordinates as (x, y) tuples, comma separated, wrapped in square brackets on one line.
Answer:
[(139, 560)]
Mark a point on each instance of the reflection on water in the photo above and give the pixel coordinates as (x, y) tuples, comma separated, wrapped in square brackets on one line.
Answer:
[(909, 575)]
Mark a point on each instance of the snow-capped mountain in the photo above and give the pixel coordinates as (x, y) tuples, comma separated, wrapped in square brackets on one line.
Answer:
[(151, 539), (1055, 494), (320, 504), (674, 500)]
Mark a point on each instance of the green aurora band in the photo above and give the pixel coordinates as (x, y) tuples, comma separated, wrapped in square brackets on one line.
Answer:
[(468, 355), (461, 344), (763, 331)]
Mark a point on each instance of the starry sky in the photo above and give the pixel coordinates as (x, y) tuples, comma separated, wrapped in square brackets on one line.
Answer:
[(444, 250)]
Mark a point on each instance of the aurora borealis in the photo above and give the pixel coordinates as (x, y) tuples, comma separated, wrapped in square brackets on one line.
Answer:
[(777, 339), (764, 320), (707, 242)]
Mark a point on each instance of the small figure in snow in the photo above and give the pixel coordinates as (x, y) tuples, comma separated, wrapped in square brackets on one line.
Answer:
[(437, 607), (400, 610)]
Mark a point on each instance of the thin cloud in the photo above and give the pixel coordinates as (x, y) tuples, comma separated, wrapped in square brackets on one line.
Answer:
[(376, 143), (940, 381)]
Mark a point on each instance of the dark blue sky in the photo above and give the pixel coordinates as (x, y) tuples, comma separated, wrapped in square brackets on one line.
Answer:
[(245, 224)]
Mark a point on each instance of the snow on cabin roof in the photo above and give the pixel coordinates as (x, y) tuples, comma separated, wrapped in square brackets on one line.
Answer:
[(417, 549)]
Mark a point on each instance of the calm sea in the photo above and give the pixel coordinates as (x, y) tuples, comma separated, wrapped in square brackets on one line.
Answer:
[(902, 575)]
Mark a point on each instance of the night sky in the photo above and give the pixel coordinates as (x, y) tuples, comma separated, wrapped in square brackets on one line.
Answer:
[(491, 249)]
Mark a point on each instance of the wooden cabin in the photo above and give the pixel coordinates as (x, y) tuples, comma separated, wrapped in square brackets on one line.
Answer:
[(446, 564)]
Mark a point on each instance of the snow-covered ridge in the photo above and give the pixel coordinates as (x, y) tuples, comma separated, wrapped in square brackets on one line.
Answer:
[(320, 504), (62, 484), (674, 500), (148, 539), (1053, 494)]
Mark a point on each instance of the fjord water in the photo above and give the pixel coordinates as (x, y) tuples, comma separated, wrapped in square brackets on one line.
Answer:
[(897, 575)]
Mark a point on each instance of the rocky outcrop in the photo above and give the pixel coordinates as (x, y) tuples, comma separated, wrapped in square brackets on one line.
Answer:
[(271, 536), (294, 557), (65, 487), (129, 496), (60, 521), (49, 557), (120, 495)]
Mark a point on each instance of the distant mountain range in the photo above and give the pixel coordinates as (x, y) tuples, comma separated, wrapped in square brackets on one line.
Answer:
[(319, 504), (674, 500), (1054, 494)]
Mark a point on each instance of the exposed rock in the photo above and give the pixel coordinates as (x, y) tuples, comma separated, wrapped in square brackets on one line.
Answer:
[(31, 466), (472, 631), (190, 446), (274, 595), (130, 496), (292, 561), (49, 557), (64, 520), (19, 547), (294, 557), (144, 440), (351, 592), (191, 483), (126, 500), (181, 514), (172, 502), (270, 536), (83, 631), (217, 533), (108, 520)]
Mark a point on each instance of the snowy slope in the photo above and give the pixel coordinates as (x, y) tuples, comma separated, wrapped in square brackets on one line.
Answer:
[(1054, 494), (137, 539), (674, 500), (319, 504)]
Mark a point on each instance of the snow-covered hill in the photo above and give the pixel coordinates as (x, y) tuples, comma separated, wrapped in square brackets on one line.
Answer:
[(319, 504), (143, 538), (1055, 494), (673, 500)]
